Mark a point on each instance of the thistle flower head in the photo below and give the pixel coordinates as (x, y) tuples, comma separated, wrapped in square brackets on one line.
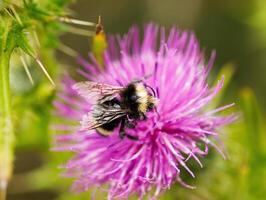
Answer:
[(178, 130)]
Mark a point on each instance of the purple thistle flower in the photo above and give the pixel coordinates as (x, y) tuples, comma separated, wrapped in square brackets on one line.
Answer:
[(178, 131)]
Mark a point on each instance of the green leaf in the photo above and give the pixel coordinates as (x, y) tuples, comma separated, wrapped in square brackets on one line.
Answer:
[(253, 122), (22, 41), (255, 143), (227, 71)]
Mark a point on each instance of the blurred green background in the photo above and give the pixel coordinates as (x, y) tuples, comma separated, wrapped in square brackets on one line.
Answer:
[(236, 29)]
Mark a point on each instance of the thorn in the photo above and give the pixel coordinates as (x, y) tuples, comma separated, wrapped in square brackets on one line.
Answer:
[(36, 38), (26, 69), (99, 26), (80, 31), (15, 14), (8, 12), (99, 19), (67, 50), (45, 71), (75, 21)]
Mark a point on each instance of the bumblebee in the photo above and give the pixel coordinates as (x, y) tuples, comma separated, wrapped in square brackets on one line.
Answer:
[(114, 107)]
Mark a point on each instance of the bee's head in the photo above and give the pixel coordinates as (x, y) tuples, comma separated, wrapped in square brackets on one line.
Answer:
[(152, 102), (146, 97), (152, 99)]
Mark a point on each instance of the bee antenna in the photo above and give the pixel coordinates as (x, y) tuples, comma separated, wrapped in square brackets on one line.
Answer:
[(147, 76), (142, 79), (153, 91)]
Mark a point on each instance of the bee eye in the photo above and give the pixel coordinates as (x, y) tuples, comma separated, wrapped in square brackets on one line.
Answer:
[(150, 106), (133, 97), (116, 105)]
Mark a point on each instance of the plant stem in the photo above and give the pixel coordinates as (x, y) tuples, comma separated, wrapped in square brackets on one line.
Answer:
[(3, 186), (6, 129)]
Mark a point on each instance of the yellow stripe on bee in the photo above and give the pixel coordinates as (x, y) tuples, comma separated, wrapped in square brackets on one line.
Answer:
[(104, 132), (143, 97)]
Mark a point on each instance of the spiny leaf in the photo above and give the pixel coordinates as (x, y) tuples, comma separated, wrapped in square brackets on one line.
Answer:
[(253, 121), (227, 71), (21, 40), (34, 11), (255, 144)]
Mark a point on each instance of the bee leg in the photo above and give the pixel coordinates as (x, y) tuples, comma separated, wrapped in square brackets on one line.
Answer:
[(131, 137), (122, 132), (143, 117), (122, 135), (130, 125)]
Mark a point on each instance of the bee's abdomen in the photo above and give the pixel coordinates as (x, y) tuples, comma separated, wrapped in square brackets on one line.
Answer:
[(108, 128)]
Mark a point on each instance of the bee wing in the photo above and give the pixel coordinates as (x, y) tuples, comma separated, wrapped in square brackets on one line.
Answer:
[(100, 116), (92, 91)]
